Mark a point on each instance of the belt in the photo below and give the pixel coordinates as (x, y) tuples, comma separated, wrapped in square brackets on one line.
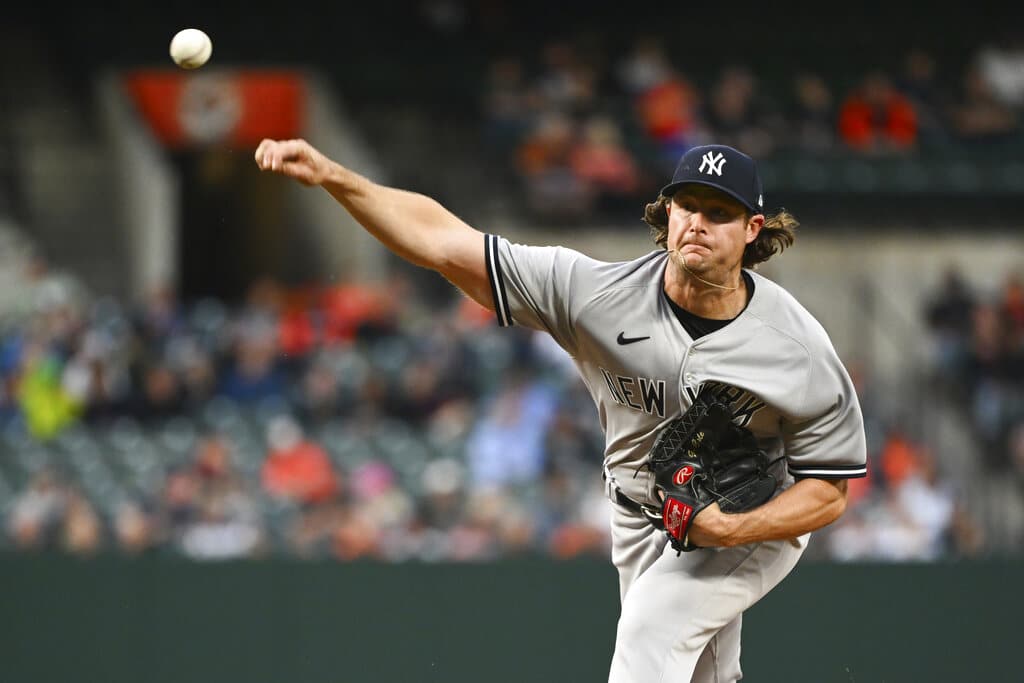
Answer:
[(652, 515), (625, 501)]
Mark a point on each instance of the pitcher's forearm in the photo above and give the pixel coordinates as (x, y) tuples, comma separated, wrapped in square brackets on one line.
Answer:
[(415, 227), (808, 505)]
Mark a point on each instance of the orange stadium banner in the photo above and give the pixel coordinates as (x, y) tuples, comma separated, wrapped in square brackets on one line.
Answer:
[(218, 107)]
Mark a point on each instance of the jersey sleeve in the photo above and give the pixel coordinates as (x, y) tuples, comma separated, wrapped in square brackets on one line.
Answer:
[(538, 287), (829, 442)]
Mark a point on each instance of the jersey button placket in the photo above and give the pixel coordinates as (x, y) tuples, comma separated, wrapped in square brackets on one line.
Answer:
[(689, 379)]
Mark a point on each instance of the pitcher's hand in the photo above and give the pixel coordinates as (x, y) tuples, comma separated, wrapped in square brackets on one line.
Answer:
[(294, 158)]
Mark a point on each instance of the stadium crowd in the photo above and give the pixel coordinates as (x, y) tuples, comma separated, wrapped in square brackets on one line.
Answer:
[(584, 133), (979, 359), (346, 421)]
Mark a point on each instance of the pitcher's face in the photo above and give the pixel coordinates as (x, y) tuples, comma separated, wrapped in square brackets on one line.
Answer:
[(708, 230)]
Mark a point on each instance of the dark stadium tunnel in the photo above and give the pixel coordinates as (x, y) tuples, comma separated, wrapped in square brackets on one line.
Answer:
[(235, 225)]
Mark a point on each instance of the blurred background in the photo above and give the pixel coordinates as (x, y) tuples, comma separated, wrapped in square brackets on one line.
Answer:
[(212, 379)]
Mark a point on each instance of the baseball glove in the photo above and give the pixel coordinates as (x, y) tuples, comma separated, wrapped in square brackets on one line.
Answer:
[(703, 457)]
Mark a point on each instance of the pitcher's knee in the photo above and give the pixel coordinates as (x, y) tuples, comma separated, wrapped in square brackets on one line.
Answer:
[(647, 642)]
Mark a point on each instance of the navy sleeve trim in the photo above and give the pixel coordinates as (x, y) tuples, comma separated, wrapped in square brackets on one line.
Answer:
[(497, 283), (829, 471)]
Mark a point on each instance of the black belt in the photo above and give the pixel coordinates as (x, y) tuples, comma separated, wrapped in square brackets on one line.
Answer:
[(652, 515), (627, 502)]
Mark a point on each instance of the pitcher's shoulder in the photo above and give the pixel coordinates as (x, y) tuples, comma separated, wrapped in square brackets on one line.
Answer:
[(780, 310), (642, 270)]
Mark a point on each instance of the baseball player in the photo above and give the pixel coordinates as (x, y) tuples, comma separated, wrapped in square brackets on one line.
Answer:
[(645, 335)]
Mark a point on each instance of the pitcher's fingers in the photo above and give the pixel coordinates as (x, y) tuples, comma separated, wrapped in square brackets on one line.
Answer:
[(289, 149), (294, 169), (263, 153)]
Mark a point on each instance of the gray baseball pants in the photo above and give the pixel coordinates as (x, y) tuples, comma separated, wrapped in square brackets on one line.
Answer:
[(681, 615)]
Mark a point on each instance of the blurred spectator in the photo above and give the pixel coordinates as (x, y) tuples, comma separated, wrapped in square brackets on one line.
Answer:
[(495, 523), (36, 513), (917, 519), (99, 373), (211, 460), (1012, 305), (227, 526), (813, 115), (547, 145), (601, 160), (82, 530), (507, 445), (985, 354), (989, 385), (298, 328), (47, 401), (978, 116), (375, 490), (195, 368), (669, 116), (1001, 66), (900, 456), (948, 316), (160, 394), (876, 118), (179, 503), (311, 533), (570, 444), (564, 531), (1015, 449), (159, 317), (353, 310), (422, 388), (566, 84), (254, 373), (509, 104), (355, 534), (736, 117), (929, 503), (981, 360), (214, 511), (296, 468), (645, 66), (135, 528), (439, 510), (919, 81), (544, 159), (319, 395), (55, 295)]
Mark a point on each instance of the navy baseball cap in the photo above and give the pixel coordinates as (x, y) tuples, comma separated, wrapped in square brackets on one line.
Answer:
[(722, 168)]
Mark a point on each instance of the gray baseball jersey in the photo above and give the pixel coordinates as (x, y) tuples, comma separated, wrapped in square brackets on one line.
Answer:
[(642, 370)]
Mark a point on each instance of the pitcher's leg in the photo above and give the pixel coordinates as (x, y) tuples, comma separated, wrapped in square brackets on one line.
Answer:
[(636, 545), (678, 605), (720, 661), (671, 612)]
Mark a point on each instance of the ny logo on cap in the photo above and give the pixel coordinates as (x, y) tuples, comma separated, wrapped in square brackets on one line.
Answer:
[(713, 162)]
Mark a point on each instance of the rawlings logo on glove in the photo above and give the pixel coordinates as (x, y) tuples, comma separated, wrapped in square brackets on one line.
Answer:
[(701, 458)]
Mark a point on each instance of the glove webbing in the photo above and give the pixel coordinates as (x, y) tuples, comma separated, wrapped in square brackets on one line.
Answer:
[(702, 425)]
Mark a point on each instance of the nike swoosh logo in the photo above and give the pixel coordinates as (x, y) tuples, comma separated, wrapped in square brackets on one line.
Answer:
[(623, 339)]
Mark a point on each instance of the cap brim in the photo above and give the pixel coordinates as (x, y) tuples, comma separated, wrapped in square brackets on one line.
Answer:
[(671, 189)]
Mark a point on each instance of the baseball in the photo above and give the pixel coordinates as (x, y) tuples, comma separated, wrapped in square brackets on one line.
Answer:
[(191, 48)]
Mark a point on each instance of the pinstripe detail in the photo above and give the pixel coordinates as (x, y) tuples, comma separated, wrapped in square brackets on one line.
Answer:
[(497, 283)]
